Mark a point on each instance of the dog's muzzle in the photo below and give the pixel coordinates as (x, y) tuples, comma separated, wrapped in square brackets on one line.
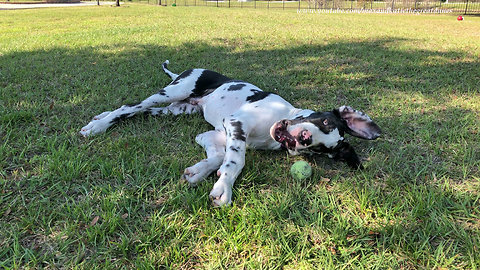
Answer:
[(279, 133)]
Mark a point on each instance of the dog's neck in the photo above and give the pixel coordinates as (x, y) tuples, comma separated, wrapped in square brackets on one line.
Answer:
[(299, 113)]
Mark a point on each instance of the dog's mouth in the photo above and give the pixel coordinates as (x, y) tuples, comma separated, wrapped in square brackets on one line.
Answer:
[(280, 134)]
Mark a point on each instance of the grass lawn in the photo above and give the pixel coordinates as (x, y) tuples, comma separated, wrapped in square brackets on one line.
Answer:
[(114, 200), (345, 6)]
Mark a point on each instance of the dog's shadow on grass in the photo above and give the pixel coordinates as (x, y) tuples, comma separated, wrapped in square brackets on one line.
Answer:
[(420, 168)]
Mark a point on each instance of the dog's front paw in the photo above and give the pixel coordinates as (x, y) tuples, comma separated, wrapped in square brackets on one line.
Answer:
[(94, 127), (221, 193)]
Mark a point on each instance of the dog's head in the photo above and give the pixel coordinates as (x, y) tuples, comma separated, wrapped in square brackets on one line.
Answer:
[(322, 132)]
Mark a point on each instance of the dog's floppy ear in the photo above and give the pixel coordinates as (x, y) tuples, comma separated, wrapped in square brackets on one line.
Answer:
[(359, 124)]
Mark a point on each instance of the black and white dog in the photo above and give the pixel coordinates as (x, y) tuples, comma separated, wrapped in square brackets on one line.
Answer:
[(244, 117)]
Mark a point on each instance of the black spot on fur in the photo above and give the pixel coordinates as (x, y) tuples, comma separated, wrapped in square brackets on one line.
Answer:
[(234, 149), (119, 118), (162, 92), (235, 87), (139, 107), (184, 74), (208, 81), (132, 104), (223, 97), (257, 95), (233, 162), (238, 132)]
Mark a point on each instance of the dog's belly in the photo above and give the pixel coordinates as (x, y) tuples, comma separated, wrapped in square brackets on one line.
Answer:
[(214, 113), (222, 103)]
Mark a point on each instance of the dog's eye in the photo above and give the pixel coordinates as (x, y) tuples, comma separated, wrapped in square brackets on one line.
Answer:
[(325, 122)]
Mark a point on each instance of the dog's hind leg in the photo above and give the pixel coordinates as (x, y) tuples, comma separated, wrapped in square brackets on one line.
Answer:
[(214, 144), (190, 84), (175, 108), (101, 122)]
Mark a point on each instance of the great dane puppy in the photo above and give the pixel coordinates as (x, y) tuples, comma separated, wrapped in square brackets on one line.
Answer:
[(244, 116)]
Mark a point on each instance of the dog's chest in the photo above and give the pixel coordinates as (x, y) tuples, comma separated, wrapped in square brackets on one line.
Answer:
[(256, 109)]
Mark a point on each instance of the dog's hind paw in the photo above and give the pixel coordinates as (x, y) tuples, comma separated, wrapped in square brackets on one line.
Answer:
[(94, 127), (100, 116), (221, 194)]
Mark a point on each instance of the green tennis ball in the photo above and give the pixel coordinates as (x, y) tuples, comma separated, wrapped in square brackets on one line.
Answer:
[(301, 170)]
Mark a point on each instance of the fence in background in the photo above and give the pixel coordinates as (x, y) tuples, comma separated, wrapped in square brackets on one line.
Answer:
[(339, 6)]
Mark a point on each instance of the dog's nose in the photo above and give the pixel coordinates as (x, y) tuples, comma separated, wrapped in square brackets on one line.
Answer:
[(305, 138)]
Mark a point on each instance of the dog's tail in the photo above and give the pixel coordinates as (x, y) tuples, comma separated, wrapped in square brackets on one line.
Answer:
[(168, 72)]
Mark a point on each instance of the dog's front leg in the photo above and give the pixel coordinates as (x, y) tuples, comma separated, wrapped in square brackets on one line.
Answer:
[(233, 162)]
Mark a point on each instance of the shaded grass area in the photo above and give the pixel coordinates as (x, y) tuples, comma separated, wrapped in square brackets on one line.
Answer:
[(115, 201)]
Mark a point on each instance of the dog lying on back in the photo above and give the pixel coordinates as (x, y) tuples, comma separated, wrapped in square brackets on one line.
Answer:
[(244, 116)]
